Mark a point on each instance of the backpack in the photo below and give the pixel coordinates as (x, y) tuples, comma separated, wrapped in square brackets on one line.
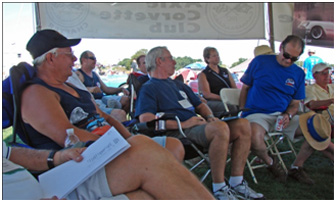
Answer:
[(12, 88)]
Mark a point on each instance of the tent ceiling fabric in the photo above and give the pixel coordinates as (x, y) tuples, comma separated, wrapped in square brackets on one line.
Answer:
[(155, 20)]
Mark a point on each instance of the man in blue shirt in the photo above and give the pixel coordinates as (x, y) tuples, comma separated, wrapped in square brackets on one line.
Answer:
[(273, 86), (308, 65), (162, 94)]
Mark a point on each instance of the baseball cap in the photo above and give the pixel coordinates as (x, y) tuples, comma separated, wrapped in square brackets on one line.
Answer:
[(45, 40), (320, 67)]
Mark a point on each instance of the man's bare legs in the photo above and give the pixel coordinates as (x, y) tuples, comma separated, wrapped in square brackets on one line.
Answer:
[(125, 103), (306, 151), (118, 114), (175, 146), (217, 134), (240, 135), (258, 145), (148, 167)]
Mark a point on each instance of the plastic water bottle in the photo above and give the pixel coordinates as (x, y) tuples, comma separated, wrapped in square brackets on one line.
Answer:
[(72, 141)]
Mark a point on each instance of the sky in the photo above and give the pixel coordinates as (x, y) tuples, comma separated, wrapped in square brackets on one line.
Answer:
[(18, 27)]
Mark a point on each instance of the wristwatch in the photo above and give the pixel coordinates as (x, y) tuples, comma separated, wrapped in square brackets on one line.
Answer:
[(50, 159), (289, 115), (210, 116)]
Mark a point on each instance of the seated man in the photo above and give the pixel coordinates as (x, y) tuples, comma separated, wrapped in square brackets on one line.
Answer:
[(317, 95), (161, 94), (50, 106), (118, 114), (273, 86), (96, 86), (140, 173)]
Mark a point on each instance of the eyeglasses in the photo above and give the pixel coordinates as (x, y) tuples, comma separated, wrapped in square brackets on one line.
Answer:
[(288, 56), (66, 53), (91, 58), (324, 73), (170, 57)]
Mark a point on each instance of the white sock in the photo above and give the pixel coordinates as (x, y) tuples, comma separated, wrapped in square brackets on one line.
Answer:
[(235, 180), (271, 162), (218, 186), (294, 167)]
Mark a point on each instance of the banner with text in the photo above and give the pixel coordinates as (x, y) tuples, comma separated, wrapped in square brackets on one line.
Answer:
[(155, 20)]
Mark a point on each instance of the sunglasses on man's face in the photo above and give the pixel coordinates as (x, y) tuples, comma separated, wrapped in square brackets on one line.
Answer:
[(92, 58), (288, 56)]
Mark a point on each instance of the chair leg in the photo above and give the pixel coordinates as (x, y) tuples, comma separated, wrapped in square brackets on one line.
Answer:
[(251, 172), (291, 147)]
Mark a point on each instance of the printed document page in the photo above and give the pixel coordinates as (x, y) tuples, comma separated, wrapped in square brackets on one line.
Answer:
[(63, 179)]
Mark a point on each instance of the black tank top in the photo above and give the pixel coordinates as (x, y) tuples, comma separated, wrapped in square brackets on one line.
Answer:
[(215, 80), (92, 82), (68, 103)]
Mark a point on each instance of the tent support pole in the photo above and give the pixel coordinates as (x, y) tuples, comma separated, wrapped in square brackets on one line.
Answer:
[(271, 28)]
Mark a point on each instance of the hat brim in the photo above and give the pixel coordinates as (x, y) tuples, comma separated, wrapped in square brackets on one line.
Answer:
[(69, 43), (304, 128)]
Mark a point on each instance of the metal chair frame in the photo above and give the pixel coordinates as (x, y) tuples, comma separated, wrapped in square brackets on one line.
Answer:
[(272, 139)]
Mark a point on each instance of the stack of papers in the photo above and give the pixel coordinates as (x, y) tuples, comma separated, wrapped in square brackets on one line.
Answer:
[(63, 179)]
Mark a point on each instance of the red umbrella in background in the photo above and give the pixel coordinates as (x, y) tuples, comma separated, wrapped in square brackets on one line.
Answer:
[(187, 74)]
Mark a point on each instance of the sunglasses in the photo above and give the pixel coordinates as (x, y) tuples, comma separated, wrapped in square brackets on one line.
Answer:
[(288, 56), (92, 58)]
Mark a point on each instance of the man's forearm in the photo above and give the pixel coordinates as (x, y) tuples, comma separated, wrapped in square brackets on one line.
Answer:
[(31, 159)]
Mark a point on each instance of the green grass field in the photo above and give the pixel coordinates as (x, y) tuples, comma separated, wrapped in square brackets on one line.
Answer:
[(319, 168)]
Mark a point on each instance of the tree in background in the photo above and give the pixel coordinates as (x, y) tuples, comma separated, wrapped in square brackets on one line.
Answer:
[(184, 61), (128, 61), (240, 60)]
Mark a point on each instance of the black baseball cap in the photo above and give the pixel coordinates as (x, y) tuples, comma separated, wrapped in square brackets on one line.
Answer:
[(45, 40)]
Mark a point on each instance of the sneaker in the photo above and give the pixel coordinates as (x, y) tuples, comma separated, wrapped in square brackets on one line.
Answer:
[(244, 192), (300, 175), (225, 193), (277, 170)]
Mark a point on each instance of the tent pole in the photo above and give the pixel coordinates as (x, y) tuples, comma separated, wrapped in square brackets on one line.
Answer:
[(37, 16), (271, 28)]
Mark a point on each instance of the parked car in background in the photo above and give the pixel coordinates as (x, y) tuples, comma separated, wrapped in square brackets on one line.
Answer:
[(317, 29)]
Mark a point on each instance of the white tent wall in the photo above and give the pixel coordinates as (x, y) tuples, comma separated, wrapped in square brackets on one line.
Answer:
[(159, 20), (282, 20)]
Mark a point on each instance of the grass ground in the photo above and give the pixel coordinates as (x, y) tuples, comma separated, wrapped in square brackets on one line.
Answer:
[(319, 168)]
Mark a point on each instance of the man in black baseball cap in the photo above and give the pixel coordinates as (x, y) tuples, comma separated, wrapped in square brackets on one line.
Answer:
[(45, 40)]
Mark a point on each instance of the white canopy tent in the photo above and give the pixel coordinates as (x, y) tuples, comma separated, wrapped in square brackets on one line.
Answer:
[(167, 20)]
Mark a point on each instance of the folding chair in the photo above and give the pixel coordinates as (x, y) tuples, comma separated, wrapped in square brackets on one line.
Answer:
[(272, 139), (192, 150), (19, 76)]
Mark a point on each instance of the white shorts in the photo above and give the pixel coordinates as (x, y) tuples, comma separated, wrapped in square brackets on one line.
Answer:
[(95, 188), (267, 121)]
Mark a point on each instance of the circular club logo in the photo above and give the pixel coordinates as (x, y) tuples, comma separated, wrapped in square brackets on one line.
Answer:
[(67, 14), (233, 18)]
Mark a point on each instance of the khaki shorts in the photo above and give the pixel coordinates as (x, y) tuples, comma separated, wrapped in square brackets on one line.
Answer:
[(196, 134), (94, 188), (267, 121)]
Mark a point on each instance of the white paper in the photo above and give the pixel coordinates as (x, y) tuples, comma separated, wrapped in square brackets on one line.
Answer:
[(63, 179)]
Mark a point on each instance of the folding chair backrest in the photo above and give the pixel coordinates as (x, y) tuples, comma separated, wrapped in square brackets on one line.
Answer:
[(19, 76), (230, 96)]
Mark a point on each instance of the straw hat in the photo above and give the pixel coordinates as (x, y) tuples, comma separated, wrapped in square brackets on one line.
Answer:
[(263, 50), (316, 129)]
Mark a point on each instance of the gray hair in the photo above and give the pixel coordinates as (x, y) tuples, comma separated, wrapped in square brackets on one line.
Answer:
[(40, 59), (206, 53), (151, 57)]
